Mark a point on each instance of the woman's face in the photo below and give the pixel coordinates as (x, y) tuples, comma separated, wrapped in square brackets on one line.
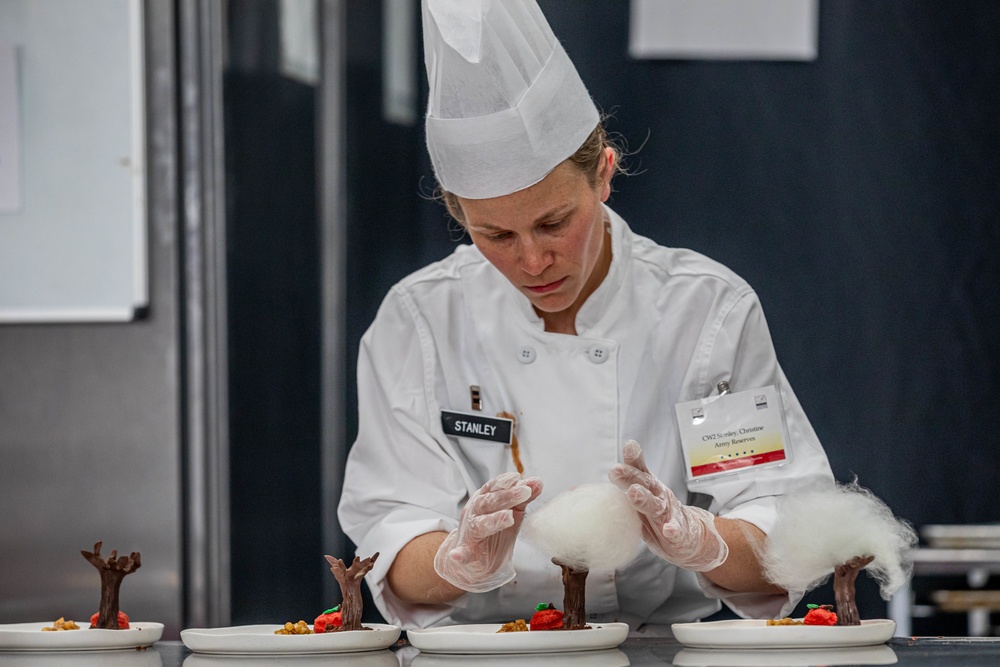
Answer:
[(548, 240)]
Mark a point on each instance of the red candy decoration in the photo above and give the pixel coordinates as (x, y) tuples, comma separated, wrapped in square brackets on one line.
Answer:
[(820, 615), (328, 621), (122, 620), (547, 617)]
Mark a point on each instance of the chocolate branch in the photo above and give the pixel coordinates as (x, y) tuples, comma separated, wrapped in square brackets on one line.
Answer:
[(349, 579), (844, 576), (574, 596), (113, 571)]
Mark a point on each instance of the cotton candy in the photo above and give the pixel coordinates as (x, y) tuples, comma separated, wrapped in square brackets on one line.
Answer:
[(589, 526), (820, 528)]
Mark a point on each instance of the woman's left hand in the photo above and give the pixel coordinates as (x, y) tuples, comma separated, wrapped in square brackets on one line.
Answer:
[(680, 534)]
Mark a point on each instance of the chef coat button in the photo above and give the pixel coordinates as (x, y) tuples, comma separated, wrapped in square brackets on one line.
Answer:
[(526, 354), (598, 353)]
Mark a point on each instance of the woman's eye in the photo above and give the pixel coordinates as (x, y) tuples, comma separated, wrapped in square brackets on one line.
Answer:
[(502, 236)]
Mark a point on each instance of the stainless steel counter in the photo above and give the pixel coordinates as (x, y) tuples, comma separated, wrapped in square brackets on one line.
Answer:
[(645, 652)]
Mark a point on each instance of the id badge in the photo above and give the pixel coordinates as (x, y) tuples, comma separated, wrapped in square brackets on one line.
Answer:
[(733, 432), (477, 426)]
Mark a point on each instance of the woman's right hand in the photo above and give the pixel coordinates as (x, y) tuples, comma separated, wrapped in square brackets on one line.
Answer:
[(477, 556)]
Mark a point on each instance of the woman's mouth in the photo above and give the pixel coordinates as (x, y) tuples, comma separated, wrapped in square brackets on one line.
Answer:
[(545, 289)]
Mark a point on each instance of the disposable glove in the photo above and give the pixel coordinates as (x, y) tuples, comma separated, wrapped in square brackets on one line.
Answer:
[(680, 534), (476, 556)]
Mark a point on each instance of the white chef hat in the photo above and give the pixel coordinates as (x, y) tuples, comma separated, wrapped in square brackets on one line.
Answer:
[(506, 104)]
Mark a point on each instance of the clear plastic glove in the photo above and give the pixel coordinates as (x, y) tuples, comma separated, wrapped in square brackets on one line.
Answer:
[(476, 556), (680, 534)]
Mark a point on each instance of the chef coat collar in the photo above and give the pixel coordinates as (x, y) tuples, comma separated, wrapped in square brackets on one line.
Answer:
[(597, 303)]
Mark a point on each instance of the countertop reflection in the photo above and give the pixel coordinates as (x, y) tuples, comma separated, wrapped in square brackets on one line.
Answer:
[(635, 652), (149, 657), (603, 658)]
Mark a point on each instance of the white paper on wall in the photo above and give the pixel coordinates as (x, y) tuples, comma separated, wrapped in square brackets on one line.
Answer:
[(399, 76), (76, 249), (724, 29), (10, 131), (299, 40)]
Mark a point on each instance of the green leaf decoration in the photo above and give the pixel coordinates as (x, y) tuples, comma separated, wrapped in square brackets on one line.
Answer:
[(330, 611)]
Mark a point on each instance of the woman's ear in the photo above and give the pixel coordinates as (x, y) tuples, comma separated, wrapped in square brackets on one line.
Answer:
[(607, 171)]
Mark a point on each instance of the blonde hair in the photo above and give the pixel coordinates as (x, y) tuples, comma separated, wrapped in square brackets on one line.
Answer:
[(589, 158)]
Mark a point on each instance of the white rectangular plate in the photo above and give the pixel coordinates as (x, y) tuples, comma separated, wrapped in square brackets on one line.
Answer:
[(484, 638), (758, 634), (261, 640), (29, 637)]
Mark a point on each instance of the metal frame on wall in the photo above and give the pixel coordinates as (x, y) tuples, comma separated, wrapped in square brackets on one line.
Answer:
[(333, 212), (203, 295)]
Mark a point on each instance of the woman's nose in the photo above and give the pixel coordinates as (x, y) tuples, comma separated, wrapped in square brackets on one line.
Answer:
[(535, 258)]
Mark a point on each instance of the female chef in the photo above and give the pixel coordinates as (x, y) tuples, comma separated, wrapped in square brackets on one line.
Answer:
[(552, 343)]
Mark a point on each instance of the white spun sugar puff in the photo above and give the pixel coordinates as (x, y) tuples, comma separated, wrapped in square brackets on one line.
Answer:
[(818, 529), (589, 526)]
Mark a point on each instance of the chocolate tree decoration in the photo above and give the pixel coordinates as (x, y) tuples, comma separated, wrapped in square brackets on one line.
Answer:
[(843, 589), (838, 529), (574, 596), (587, 527), (349, 579), (112, 570)]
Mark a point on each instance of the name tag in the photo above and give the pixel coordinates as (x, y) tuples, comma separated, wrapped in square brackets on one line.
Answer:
[(732, 432), (465, 425)]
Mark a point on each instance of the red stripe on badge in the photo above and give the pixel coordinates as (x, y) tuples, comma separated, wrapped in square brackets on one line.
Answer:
[(736, 464)]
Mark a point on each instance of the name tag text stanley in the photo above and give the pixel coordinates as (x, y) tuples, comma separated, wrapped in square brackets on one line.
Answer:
[(465, 425)]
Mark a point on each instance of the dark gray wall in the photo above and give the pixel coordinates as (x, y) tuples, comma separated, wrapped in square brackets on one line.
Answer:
[(273, 256), (857, 193)]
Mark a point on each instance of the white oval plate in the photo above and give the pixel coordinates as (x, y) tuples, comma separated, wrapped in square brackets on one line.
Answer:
[(484, 638), (29, 637), (758, 634), (261, 640)]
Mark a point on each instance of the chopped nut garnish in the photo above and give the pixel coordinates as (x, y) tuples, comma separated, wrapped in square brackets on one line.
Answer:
[(62, 624), (300, 628), (783, 621), (514, 626)]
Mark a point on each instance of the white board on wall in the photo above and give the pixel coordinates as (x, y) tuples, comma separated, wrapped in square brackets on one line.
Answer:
[(724, 29), (74, 248), (10, 135)]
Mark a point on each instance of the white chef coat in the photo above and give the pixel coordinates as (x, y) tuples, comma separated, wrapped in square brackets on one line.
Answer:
[(665, 326)]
